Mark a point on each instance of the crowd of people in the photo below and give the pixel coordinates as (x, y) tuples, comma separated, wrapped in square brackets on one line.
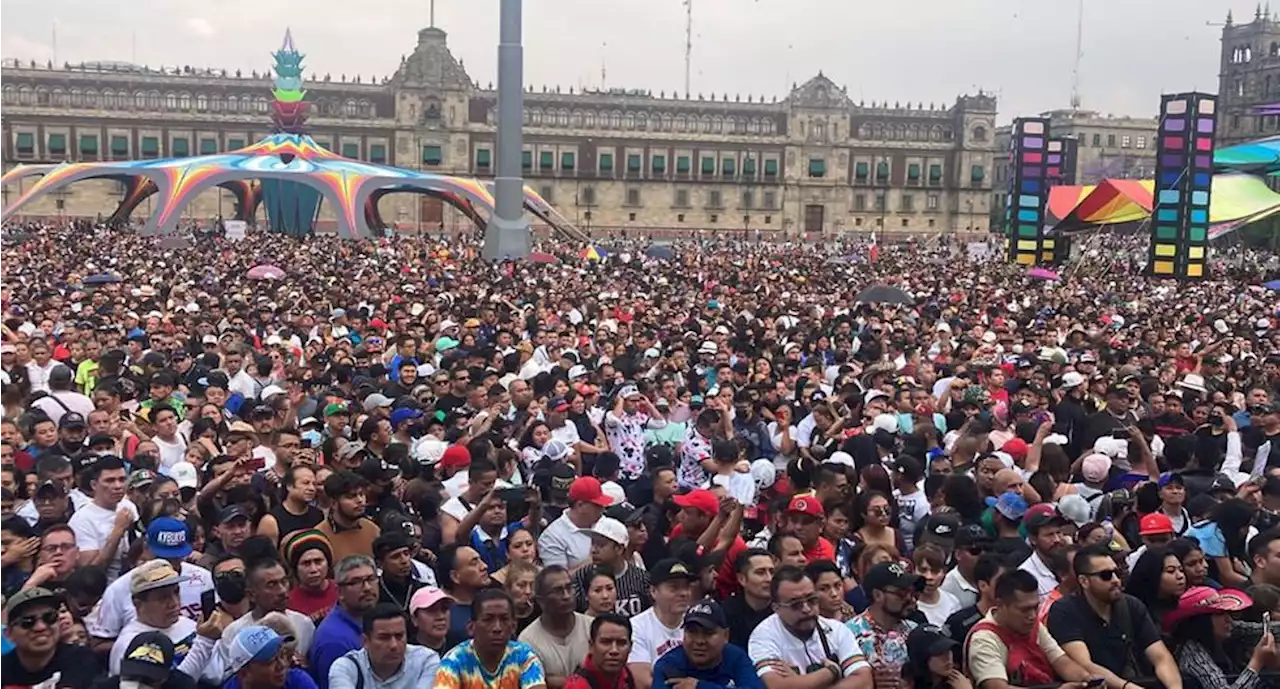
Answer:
[(402, 466)]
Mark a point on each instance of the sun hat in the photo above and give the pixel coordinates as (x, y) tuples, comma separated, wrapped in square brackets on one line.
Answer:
[(1203, 600)]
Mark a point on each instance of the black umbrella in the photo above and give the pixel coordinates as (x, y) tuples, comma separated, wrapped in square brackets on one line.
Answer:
[(665, 253), (101, 279), (884, 294)]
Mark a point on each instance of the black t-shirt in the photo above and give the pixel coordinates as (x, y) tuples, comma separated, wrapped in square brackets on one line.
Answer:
[(77, 665), (958, 626), (1118, 645), (743, 619), (177, 680)]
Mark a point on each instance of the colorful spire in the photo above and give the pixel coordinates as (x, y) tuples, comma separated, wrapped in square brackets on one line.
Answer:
[(289, 111)]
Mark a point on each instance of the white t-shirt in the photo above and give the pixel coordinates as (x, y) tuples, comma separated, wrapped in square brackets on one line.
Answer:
[(171, 452), (937, 613), (456, 485), (204, 662), (117, 611), (92, 525), (567, 434), (772, 642), (454, 508), (912, 509), (650, 638), (563, 543), (74, 401), (741, 487)]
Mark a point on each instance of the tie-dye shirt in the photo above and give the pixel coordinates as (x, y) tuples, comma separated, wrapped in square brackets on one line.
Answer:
[(519, 669)]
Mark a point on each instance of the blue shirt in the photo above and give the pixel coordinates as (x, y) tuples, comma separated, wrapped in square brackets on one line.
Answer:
[(294, 679), (337, 633), (735, 671), (494, 551), (1210, 537)]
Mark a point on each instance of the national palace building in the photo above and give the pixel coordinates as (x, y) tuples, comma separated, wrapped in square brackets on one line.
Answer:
[(612, 160)]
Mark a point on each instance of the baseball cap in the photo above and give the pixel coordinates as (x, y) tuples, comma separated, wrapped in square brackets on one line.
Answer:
[(970, 535), (377, 400), (611, 529), (941, 529), (806, 504), (151, 575), (872, 394), (1009, 504), (1071, 379), (927, 641), (184, 473), (707, 614), (556, 450), (140, 477), (209, 339), (888, 574), (148, 657), (1155, 524), (167, 538), (1075, 509), (671, 568), (841, 458), (50, 486), (254, 644), (426, 597), (587, 489), (558, 404), (699, 499), (1043, 514), (27, 597), (562, 478), (455, 457), (72, 419), (403, 414), (336, 408), (231, 513), (1170, 477), (1016, 448), (377, 469), (1095, 467)]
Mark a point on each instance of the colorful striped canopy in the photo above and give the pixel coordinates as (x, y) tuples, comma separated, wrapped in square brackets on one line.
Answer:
[(1258, 157), (1237, 199)]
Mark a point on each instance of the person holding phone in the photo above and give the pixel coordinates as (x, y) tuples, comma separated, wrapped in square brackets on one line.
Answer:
[(1202, 627)]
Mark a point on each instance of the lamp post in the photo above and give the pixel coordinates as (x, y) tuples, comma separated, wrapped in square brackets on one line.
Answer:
[(507, 235)]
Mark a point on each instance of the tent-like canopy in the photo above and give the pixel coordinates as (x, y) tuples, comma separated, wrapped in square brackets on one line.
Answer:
[(1261, 157), (1237, 200), (350, 187)]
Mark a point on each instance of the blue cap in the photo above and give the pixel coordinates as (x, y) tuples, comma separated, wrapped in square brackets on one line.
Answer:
[(1011, 505), (1169, 477), (403, 414), (706, 613), (167, 538), (254, 644)]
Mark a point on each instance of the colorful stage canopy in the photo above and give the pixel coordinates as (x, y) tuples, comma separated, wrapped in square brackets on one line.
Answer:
[(1237, 200), (1261, 157), (350, 187)]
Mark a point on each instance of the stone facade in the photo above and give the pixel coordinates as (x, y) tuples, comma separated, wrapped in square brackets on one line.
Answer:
[(1249, 77), (615, 160)]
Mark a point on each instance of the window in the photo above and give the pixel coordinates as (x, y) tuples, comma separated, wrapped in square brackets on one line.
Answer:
[(208, 146), (547, 160), (682, 198), (727, 167), (235, 144), (708, 165), (904, 222), (588, 196), (771, 167), (88, 145), (859, 202), (633, 197), (860, 172), (202, 102), (26, 143), (1125, 141), (526, 160), (351, 150), (714, 200), (817, 167), (770, 200), (180, 147), (882, 172), (682, 165), (150, 146), (58, 144), (568, 160), (606, 162), (908, 203), (748, 200), (680, 217), (768, 219), (913, 173), (1142, 142), (932, 202), (483, 158), (432, 155), (119, 146), (658, 162), (633, 162), (935, 175), (881, 201), (713, 218), (931, 221), (1111, 141), (184, 101), (977, 173), (979, 133), (632, 216), (749, 167), (1097, 141)]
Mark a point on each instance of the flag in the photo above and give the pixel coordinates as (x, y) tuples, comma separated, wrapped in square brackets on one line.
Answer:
[(874, 250)]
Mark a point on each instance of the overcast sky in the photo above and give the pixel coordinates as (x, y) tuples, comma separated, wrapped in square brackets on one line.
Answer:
[(916, 50)]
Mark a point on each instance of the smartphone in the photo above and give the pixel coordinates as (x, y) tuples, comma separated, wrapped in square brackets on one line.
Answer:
[(208, 603), (1120, 434), (1095, 683), (1266, 621)]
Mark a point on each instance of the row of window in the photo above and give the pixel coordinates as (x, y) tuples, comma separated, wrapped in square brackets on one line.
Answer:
[(660, 164), (906, 202), (712, 218), (655, 122), (120, 147), (878, 131), (154, 100), (1126, 141), (586, 196)]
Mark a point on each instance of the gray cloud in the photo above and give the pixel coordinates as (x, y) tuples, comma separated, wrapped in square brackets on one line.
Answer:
[(912, 50)]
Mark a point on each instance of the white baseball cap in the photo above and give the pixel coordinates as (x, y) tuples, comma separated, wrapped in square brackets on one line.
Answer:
[(611, 529), (837, 457), (885, 422), (576, 372), (184, 474), (1072, 379)]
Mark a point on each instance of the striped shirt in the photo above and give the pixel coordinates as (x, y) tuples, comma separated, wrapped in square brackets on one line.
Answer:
[(632, 586)]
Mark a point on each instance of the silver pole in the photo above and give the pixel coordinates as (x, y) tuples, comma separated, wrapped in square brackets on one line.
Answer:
[(507, 235)]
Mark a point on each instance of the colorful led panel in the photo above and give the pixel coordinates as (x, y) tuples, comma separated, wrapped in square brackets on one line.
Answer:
[(1028, 190), (1184, 171)]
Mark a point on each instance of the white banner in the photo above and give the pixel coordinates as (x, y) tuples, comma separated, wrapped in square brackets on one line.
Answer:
[(235, 229)]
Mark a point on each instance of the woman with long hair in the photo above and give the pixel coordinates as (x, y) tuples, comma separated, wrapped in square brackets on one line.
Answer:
[(601, 592), (1199, 631), (868, 556), (960, 493), (519, 583), (1157, 580), (522, 548), (1194, 563), (1222, 540), (931, 661), (872, 515)]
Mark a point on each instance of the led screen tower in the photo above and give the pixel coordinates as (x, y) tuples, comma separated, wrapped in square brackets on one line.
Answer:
[(1184, 174)]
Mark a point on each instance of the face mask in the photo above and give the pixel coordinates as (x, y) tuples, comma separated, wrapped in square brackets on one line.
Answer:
[(230, 587), (313, 438)]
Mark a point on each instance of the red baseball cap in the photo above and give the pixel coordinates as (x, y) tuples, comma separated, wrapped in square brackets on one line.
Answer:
[(587, 489), (1155, 524), (806, 504), (1016, 448), (455, 457), (699, 499)]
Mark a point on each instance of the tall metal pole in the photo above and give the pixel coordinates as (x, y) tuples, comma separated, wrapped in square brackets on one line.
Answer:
[(507, 235)]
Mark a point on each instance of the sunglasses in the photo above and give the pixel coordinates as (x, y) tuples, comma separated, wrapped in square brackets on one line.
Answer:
[(29, 621), (1105, 575), (802, 603)]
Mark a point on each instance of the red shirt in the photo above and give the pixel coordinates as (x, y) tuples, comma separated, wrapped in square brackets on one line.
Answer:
[(315, 606), (822, 550), (578, 680), (726, 576)]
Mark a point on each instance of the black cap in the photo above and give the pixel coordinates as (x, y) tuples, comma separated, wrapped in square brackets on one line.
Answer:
[(51, 487), (927, 641), (216, 379), (147, 658), (101, 439), (390, 542), (707, 614), (561, 476), (60, 374), (1221, 482), (1118, 391), (887, 574), (669, 569), (970, 535), (376, 469), (941, 528), (231, 513), (72, 419), (625, 512), (1021, 407)]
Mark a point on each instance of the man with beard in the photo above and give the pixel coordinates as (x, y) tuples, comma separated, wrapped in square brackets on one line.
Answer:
[(1107, 631), (606, 662), (1044, 525), (658, 629), (796, 648), (348, 531), (882, 630), (706, 655)]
